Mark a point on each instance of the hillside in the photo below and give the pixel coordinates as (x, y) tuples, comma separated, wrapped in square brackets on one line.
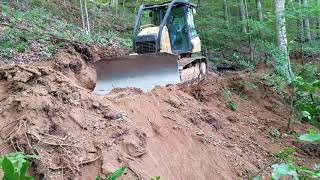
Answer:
[(165, 132)]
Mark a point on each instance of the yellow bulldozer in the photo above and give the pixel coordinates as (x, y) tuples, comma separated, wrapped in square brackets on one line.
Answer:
[(166, 50)]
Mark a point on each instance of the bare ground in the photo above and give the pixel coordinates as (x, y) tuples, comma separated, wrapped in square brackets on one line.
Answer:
[(177, 132)]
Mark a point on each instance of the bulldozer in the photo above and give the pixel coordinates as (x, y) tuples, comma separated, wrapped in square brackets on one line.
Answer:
[(166, 50)]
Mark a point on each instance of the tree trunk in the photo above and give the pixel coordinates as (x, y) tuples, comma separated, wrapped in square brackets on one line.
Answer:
[(301, 32), (306, 23), (251, 43), (116, 6), (82, 16), (318, 21), (259, 10), (300, 25), (100, 19), (87, 16), (281, 32), (226, 12), (123, 8), (243, 16)]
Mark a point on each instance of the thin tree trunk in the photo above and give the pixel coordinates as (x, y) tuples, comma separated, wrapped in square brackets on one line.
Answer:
[(100, 19), (259, 15), (281, 31), (137, 3), (306, 23), (251, 43), (87, 16), (123, 8), (318, 21), (259, 10), (226, 12), (300, 24), (243, 16), (301, 32), (82, 16), (116, 4)]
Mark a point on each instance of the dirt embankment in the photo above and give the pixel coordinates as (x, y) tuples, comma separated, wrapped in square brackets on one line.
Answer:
[(177, 132)]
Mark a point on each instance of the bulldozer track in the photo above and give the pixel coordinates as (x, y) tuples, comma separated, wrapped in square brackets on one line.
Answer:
[(192, 68)]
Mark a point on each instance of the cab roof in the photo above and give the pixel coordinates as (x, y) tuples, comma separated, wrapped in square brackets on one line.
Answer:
[(166, 4)]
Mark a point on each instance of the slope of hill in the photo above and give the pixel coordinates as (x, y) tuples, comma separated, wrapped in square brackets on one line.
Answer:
[(186, 130)]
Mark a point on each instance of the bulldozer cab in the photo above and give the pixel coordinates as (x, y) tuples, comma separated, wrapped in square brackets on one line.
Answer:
[(178, 30), (176, 16)]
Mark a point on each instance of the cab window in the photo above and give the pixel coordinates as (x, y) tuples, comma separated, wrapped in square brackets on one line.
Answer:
[(192, 27), (177, 29)]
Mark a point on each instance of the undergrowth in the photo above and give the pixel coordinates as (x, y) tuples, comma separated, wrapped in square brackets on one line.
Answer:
[(230, 103), (286, 165), (39, 29)]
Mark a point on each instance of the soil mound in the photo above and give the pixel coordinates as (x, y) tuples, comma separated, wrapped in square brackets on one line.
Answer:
[(176, 132)]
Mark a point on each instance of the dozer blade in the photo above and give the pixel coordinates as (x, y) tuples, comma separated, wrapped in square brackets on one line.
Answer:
[(140, 71)]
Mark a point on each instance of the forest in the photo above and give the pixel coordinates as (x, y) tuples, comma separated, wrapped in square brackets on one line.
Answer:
[(254, 114)]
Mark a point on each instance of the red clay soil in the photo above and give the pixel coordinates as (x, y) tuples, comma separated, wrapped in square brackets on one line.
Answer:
[(177, 132)]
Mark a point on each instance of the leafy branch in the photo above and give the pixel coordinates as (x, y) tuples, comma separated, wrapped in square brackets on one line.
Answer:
[(15, 166)]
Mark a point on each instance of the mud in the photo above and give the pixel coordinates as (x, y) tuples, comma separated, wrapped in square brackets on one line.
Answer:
[(177, 132)]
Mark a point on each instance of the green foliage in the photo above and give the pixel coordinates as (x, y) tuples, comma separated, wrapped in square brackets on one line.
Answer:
[(15, 166), (255, 178), (305, 116), (126, 42), (311, 136), (250, 85), (14, 39), (281, 170), (10, 173), (39, 25), (157, 178), (230, 103), (287, 167), (18, 158), (117, 173), (297, 172), (307, 99), (274, 57), (285, 154), (120, 15), (276, 81), (19, 35), (243, 96), (113, 175), (225, 36), (303, 89)]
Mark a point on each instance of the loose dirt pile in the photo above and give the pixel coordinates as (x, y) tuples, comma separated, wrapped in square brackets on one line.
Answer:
[(176, 132)]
